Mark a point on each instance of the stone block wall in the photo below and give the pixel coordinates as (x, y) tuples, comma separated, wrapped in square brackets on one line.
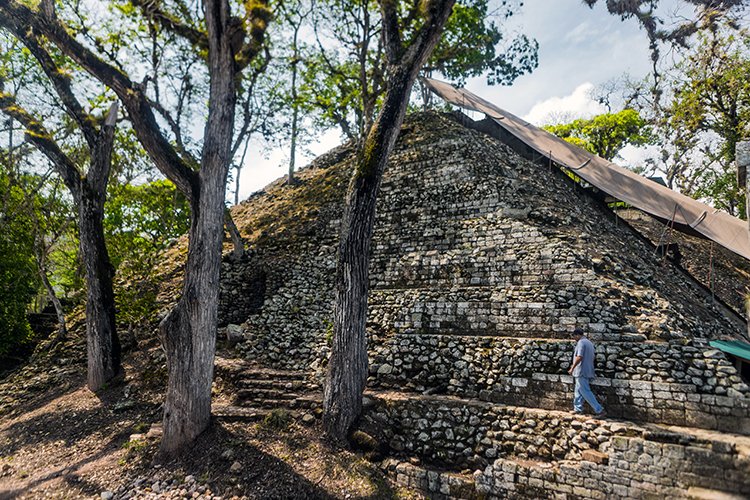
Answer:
[(242, 291), (470, 364), (482, 264), (445, 431), (523, 453), (717, 268), (631, 467), (649, 381)]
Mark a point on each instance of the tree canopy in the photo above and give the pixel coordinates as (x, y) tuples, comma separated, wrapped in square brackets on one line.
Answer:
[(606, 134), (345, 67)]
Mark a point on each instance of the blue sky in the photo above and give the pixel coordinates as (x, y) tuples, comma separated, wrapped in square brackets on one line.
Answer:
[(579, 48)]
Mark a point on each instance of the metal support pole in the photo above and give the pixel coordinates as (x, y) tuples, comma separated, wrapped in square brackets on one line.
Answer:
[(742, 155)]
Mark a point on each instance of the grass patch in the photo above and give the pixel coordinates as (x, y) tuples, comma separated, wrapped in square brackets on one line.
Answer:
[(278, 420), (141, 428)]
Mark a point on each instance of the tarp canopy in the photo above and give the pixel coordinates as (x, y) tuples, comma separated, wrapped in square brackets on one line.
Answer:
[(621, 183), (733, 347)]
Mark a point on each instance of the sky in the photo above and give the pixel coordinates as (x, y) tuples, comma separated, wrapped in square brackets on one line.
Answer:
[(579, 48)]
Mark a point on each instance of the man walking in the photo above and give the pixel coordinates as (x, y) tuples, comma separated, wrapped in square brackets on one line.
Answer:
[(582, 370)]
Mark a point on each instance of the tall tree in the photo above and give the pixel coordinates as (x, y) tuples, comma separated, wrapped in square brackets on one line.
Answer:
[(712, 102), (387, 50), (690, 156), (708, 13), (230, 44), (411, 30), (294, 16), (703, 106), (88, 190)]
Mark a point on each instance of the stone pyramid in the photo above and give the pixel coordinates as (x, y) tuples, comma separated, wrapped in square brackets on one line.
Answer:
[(483, 263)]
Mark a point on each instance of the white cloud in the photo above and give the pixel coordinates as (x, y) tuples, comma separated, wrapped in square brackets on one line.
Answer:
[(561, 109)]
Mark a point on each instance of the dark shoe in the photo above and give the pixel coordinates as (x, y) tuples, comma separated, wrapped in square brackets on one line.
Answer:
[(602, 414)]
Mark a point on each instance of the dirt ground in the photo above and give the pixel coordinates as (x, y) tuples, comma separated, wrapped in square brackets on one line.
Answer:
[(60, 440)]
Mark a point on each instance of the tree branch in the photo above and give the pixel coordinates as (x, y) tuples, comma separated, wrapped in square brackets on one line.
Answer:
[(437, 13), (146, 128), (37, 134), (153, 11), (257, 18), (246, 118), (391, 32), (61, 82), (176, 130), (101, 153)]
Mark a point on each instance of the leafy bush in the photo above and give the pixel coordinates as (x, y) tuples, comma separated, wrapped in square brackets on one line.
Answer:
[(18, 277), (140, 221)]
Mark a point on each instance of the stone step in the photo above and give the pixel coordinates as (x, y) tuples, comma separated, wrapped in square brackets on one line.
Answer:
[(259, 394), (282, 385), (635, 400), (234, 412), (272, 375), (239, 369), (310, 401), (527, 336), (491, 430), (693, 385), (523, 452), (434, 483), (697, 493)]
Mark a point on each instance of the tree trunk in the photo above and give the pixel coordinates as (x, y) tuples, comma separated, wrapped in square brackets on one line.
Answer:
[(101, 334), (347, 374), (103, 344), (189, 331), (62, 329), (238, 169), (290, 181), (347, 369), (238, 244)]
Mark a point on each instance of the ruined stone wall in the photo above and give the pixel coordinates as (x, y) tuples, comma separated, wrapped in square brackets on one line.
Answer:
[(633, 468), (523, 453), (444, 431), (482, 264), (630, 467), (471, 365)]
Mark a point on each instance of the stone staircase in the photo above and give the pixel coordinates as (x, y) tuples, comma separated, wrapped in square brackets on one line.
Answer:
[(250, 392)]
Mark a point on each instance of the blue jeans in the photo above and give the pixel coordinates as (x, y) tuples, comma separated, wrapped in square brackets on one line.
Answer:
[(583, 391)]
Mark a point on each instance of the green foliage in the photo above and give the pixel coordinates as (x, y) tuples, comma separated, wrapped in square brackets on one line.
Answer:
[(697, 106), (345, 73), (469, 46), (711, 105), (605, 135), (18, 276), (140, 221)]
